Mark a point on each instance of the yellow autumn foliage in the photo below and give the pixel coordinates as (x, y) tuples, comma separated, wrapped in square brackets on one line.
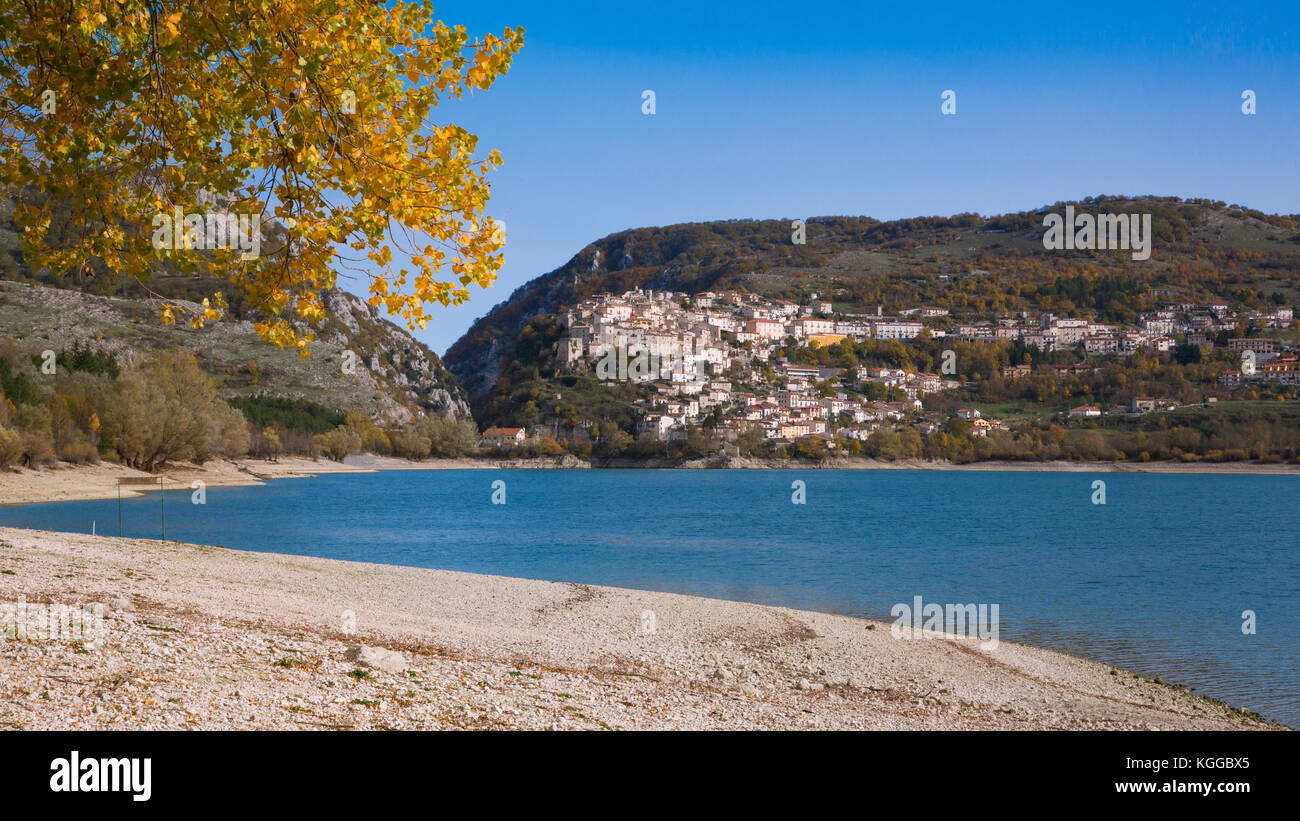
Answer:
[(316, 112)]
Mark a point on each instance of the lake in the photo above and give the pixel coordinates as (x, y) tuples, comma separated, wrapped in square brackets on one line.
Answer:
[(1155, 580)]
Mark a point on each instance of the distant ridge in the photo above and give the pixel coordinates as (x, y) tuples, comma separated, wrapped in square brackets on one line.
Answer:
[(864, 260)]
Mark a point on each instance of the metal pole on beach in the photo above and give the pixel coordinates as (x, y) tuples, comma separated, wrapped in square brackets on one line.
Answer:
[(162, 501)]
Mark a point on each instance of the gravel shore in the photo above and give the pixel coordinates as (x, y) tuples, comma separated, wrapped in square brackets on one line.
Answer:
[(67, 482), (205, 637)]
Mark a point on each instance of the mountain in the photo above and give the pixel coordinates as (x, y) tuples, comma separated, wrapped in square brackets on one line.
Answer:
[(977, 266), (393, 377)]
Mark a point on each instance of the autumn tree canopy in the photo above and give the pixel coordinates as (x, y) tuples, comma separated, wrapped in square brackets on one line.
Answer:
[(132, 115)]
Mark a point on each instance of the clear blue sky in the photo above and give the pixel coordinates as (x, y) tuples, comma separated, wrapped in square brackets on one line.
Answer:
[(785, 110)]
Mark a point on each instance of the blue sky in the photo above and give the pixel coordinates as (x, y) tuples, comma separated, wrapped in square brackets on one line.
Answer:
[(775, 110)]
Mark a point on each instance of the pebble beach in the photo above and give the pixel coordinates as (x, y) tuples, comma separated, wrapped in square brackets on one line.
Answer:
[(199, 637)]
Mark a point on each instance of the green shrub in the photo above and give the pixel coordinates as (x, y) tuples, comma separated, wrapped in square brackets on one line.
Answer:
[(294, 415)]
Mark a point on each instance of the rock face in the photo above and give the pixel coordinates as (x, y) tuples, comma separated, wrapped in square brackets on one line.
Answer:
[(359, 362), (395, 360)]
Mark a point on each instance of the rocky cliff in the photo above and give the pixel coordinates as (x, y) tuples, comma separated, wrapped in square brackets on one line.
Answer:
[(358, 361)]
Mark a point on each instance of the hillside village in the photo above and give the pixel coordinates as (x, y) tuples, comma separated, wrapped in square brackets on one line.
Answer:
[(672, 344), (715, 358)]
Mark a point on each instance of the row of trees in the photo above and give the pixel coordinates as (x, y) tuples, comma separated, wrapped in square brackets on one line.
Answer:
[(164, 408), (428, 436), (158, 409), (1263, 440)]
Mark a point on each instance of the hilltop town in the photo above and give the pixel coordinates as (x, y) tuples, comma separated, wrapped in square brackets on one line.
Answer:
[(735, 363), (687, 346)]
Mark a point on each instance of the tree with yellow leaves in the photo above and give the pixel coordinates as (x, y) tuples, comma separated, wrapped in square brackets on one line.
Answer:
[(311, 117)]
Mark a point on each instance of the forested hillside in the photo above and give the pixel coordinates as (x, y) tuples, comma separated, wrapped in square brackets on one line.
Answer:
[(978, 267)]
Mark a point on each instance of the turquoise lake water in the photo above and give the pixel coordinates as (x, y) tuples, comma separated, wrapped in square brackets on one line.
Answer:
[(1155, 580)]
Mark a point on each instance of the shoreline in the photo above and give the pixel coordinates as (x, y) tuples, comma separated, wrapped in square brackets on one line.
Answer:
[(1056, 466), (212, 638), (71, 482), (68, 482)]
